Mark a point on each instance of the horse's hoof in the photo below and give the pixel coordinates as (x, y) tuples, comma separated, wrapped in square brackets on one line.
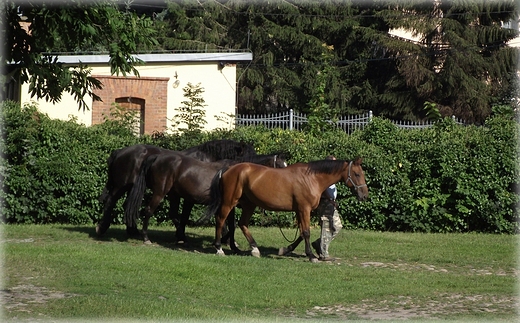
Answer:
[(255, 253), (100, 231), (314, 260), (148, 242), (182, 243), (220, 252), (283, 251)]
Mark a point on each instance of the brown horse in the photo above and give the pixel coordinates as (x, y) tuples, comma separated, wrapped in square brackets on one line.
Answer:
[(179, 176), (296, 188)]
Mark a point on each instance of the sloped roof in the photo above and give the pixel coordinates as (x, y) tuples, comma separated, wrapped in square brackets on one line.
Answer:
[(241, 56)]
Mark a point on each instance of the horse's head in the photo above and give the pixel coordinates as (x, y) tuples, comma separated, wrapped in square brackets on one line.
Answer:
[(244, 150), (356, 179), (279, 161)]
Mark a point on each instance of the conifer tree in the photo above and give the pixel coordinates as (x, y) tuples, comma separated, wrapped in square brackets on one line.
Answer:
[(191, 113), (462, 63)]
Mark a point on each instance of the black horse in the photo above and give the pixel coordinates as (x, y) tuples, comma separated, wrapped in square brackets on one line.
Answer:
[(180, 176), (124, 165)]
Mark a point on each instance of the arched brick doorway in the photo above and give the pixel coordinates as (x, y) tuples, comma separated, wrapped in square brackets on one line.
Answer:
[(148, 95), (137, 106)]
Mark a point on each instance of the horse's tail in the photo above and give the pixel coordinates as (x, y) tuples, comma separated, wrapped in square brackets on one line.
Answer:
[(215, 193), (135, 197)]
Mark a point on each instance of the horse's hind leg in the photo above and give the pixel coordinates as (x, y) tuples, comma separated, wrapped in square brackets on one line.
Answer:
[(290, 248), (147, 213), (220, 219)]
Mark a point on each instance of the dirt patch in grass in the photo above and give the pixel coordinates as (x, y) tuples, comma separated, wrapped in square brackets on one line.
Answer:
[(439, 306), (20, 297), (467, 270), (408, 308)]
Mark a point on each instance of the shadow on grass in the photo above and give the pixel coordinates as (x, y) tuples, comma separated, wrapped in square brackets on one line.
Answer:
[(196, 243)]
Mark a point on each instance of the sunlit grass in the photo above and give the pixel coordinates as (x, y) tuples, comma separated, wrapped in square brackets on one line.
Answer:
[(120, 278)]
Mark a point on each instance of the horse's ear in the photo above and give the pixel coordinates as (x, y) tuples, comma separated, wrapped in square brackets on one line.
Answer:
[(358, 161)]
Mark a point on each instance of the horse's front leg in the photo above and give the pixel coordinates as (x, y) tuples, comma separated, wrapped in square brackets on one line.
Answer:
[(107, 218), (226, 234), (306, 234), (247, 212), (175, 203), (305, 229), (180, 233), (230, 235)]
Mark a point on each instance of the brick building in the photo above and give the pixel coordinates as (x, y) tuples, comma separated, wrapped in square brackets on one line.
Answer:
[(158, 90)]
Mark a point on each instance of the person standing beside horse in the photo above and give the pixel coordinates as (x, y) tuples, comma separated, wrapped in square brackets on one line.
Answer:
[(330, 221)]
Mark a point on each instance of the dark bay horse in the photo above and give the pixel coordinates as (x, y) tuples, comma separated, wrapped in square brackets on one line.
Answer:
[(179, 176), (297, 188), (124, 165)]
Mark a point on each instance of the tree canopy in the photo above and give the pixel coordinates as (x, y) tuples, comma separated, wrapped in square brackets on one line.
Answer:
[(35, 31), (459, 64)]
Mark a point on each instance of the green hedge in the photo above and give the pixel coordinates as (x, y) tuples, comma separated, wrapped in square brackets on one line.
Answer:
[(448, 178)]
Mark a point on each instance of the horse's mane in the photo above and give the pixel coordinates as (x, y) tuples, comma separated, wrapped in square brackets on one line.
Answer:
[(325, 166), (260, 158), (225, 162), (220, 149)]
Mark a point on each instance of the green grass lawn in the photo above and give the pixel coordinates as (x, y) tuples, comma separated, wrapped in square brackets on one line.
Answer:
[(57, 272)]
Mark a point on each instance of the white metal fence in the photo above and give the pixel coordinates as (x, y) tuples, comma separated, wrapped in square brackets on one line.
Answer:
[(291, 120)]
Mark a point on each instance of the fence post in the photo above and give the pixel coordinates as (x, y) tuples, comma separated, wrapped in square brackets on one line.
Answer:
[(290, 119), (370, 115)]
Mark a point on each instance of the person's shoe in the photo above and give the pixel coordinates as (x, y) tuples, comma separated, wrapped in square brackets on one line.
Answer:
[(326, 259)]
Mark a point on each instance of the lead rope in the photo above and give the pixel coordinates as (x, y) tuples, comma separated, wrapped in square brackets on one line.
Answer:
[(295, 235)]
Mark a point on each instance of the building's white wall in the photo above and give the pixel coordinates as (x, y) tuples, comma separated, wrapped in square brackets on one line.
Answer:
[(219, 86), (63, 110)]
